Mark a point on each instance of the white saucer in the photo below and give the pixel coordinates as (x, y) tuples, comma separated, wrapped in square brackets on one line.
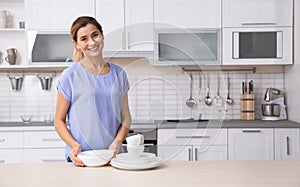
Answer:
[(142, 159), (126, 166)]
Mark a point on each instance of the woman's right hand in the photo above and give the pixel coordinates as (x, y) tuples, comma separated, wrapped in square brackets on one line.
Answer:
[(73, 155)]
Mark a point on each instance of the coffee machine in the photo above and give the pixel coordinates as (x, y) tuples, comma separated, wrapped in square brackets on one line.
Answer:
[(273, 107)]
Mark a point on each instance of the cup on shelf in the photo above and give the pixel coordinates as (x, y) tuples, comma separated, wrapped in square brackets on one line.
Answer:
[(12, 51), (11, 59), (22, 24)]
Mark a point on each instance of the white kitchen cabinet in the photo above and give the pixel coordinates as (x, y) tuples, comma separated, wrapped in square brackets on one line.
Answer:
[(257, 13), (44, 155), (127, 25), (187, 13), (11, 147), (192, 144), (56, 14), (43, 146), (287, 144), (250, 144)]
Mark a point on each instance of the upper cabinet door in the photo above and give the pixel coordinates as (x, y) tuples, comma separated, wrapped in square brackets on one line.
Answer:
[(139, 25), (187, 13), (56, 14), (110, 14), (253, 13)]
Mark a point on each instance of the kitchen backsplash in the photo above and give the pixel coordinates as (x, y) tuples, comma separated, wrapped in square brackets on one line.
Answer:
[(151, 96)]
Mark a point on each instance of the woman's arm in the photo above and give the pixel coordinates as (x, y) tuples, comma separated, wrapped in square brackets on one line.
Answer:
[(124, 127), (62, 107)]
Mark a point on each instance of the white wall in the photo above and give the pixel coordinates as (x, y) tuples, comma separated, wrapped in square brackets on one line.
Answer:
[(292, 74)]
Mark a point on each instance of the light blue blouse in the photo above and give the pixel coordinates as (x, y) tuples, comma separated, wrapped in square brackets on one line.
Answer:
[(94, 115)]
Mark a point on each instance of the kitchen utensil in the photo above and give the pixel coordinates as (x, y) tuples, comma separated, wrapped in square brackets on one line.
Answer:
[(46, 82), (218, 100), (16, 82), (96, 158), (272, 94), (228, 99), (137, 139), (26, 118), (200, 86), (11, 59), (12, 51), (135, 150), (191, 102), (208, 99), (270, 110), (4, 14)]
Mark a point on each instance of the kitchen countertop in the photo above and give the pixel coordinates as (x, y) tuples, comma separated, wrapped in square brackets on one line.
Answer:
[(181, 173), (20, 126)]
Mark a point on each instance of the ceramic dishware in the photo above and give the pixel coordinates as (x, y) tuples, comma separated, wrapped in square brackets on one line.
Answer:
[(137, 139), (135, 150), (4, 14), (94, 158), (12, 51), (11, 59)]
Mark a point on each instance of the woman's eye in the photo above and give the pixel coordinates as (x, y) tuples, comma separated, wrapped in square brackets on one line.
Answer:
[(83, 39)]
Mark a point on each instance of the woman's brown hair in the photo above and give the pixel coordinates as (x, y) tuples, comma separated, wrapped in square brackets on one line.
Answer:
[(77, 24)]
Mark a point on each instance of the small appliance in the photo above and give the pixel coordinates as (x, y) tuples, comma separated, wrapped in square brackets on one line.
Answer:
[(273, 107)]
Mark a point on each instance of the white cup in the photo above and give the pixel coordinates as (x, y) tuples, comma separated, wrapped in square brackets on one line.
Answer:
[(137, 139)]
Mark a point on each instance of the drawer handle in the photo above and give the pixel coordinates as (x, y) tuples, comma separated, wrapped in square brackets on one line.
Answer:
[(190, 154), (258, 24), (53, 160), (199, 137), (2, 140), (51, 139), (251, 131), (288, 145), (196, 154)]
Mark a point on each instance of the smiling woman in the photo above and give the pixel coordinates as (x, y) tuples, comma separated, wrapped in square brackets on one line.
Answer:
[(93, 93)]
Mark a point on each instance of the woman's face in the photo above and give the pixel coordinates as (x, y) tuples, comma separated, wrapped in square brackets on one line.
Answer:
[(89, 40)]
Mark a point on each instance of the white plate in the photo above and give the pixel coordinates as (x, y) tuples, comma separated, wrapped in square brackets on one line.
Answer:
[(115, 163), (132, 160)]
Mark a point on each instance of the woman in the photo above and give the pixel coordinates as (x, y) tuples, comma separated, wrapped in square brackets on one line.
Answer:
[(94, 95)]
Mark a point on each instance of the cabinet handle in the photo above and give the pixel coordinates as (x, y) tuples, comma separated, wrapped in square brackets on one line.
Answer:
[(2, 140), (190, 154), (251, 131), (288, 145), (123, 40), (50, 140), (2, 161), (53, 160), (196, 154), (128, 36), (182, 137), (245, 24)]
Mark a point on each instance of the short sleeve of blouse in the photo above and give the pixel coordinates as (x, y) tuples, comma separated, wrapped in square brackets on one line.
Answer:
[(65, 82)]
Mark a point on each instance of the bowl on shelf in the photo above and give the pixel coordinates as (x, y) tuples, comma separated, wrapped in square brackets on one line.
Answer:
[(26, 118), (94, 158)]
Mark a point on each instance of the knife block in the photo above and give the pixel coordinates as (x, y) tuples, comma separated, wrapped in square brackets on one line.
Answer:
[(247, 107)]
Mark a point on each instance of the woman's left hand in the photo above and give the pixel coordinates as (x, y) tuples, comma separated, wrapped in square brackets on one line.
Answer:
[(115, 146)]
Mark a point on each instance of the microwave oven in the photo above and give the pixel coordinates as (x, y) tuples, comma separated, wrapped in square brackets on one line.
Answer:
[(257, 46), (178, 46)]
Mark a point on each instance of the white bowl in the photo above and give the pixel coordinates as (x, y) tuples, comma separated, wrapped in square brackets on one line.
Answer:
[(135, 150), (95, 158), (137, 139)]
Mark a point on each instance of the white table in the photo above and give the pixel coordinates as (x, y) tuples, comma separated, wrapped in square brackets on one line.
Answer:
[(201, 173)]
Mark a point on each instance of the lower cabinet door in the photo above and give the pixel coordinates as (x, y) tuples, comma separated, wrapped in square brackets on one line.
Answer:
[(175, 152), (44, 155), (11, 155), (210, 152), (287, 144)]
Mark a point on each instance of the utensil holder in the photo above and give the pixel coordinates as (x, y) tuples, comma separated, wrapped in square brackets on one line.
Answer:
[(247, 107)]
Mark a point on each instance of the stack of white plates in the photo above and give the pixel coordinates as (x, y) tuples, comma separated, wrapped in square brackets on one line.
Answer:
[(129, 162)]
